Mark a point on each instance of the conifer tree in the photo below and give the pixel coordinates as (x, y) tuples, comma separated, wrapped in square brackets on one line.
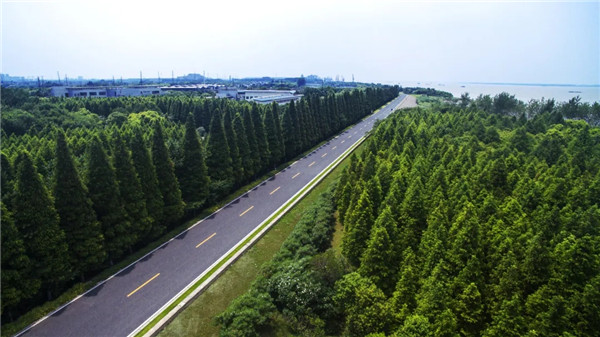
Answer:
[(261, 138), (358, 227), (234, 151), (193, 178), (470, 311), (403, 300), (107, 203), (273, 131), (77, 217), (18, 283), (252, 140), (277, 120), (377, 261), (290, 130), (149, 183), (218, 157), (6, 172), (131, 191), (167, 181), (36, 219), (247, 161)]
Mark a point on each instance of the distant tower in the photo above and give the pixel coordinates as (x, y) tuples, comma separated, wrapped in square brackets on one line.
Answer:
[(140, 77), (39, 83), (58, 75), (113, 80), (66, 80), (172, 77), (352, 78)]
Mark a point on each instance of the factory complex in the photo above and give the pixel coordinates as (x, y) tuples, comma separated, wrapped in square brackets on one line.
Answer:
[(258, 96)]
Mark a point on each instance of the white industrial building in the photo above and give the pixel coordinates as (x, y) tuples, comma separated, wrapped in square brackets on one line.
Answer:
[(259, 96), (64, 91)]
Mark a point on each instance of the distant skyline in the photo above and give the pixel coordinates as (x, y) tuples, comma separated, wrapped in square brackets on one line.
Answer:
[(377, 41)]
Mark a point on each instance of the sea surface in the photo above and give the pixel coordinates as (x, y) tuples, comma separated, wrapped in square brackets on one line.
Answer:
[(523, 92)]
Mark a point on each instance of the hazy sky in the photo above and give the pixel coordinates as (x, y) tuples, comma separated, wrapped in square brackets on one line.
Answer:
[(377, 41)]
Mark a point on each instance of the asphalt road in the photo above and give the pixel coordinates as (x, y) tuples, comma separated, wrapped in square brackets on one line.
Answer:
[(127, 299)]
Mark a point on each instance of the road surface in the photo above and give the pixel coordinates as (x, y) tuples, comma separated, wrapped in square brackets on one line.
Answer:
[(126, 300)]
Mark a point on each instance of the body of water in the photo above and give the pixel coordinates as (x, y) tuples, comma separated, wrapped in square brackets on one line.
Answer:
[(523, 92)]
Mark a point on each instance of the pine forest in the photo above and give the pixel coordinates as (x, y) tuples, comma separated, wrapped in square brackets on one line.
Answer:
[(458, 220)]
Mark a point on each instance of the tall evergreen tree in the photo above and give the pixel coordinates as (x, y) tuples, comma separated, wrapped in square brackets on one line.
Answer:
[(167, 181), (130, 188), (273, 130), (277, 120), (37, 221), (377, 262), (18, 283), (247, 160), (106, 199), (6, 172), (77, 217), (234, 150), (254, 154), (358, 227), (218, 158), (261, 138), (290, 131), (147, 174), (193, 176)]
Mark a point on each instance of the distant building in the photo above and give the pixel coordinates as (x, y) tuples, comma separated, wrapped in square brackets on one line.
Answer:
[(258, 96), (64, 91), (282, 99), (193, 87), (227, 92), (249, 95)]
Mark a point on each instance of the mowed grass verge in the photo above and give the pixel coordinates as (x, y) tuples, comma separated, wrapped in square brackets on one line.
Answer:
[(197, 318)]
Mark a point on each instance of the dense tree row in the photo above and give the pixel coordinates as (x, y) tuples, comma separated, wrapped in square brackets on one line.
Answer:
[(80, 197), (473, 224), (508, 105)]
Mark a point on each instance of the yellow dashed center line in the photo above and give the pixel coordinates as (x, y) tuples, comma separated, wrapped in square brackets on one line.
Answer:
[(275, 190), (295, 175), (140, 287), (208, 238), (324, 155), (311, 164), (246, 211)]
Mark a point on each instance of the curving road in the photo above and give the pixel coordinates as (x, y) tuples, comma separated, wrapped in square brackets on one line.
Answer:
[(123, 302)]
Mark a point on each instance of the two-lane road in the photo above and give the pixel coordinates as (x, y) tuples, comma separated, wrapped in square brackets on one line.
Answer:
[(127, 299)]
